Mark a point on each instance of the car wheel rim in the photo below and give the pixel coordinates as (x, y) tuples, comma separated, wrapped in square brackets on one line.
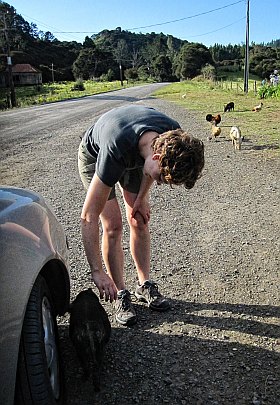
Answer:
[(50, 346)]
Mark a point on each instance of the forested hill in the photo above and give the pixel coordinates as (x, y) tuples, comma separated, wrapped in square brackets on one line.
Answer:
[(113, 52)]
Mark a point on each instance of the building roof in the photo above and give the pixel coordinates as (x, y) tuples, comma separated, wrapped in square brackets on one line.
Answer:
[(24, 68)]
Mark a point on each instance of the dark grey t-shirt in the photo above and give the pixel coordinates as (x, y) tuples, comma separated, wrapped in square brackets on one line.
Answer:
[(114, 138)]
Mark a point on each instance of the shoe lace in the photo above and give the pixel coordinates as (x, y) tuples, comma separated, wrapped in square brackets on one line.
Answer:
[(153, 290), (126, 301)]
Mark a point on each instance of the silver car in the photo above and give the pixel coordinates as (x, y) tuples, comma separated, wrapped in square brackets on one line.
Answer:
[(34, 289)]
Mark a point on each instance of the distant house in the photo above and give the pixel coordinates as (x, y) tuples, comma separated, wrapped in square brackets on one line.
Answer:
[(23, 75)]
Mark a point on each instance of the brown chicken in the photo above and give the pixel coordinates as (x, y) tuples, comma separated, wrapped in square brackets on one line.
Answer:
[(216, 131), (214, 119)]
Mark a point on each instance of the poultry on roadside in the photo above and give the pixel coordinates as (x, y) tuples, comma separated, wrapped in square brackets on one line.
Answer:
[(214, 119), (216, 131), (257, 108)]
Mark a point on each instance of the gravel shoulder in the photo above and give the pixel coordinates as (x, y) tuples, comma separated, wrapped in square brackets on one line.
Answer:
[(215, 254)]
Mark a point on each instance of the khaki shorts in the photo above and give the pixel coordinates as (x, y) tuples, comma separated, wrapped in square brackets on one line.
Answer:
[(130, 181)]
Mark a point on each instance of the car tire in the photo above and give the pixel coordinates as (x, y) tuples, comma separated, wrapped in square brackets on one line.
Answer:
[(40, 371)]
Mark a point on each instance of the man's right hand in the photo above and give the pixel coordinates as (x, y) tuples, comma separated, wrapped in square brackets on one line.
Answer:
[(105, 285), (142, 207)]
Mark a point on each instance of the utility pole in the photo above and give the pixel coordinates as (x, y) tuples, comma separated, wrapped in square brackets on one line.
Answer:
[(121, 74), (246, 66), (52, 74), (12, 96)]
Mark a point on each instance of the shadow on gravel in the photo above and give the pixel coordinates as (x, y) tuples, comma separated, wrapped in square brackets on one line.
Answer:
[(239, 323), (197, 353), (248, 143), (264, 147)]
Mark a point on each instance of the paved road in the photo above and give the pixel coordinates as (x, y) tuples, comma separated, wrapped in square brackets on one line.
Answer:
[(22, 122)]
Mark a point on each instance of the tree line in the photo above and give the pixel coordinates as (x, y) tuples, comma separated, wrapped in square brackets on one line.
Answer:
[(119, 54)]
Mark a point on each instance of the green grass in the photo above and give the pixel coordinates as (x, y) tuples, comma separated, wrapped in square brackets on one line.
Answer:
[(205, 97)]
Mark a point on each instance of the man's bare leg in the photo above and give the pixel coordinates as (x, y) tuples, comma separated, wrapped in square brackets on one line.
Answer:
[(112, 250), (139, 239)]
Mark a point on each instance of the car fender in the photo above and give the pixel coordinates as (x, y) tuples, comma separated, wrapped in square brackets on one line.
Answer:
[(31, 238)]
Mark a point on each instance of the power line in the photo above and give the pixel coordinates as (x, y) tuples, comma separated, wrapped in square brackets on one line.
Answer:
[(50, 27), (74, 32), (219, 29), (186, 18), (152, 25)]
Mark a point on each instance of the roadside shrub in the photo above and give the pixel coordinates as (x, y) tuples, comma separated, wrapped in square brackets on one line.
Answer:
[(78, 85), (131, 74), (107, 77), (143, 74), (3, 105), (268, 91), (208, 72)]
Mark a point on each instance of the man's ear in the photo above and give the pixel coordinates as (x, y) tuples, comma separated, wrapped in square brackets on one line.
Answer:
[(156, 156)]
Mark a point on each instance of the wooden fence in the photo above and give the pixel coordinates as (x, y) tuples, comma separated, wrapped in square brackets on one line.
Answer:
[(236, 86)]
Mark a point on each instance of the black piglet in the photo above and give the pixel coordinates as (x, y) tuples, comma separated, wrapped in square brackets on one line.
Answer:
[(229, 107), (89, 331)]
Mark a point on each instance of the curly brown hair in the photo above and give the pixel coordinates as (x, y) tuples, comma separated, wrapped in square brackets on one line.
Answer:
[(181, 157)]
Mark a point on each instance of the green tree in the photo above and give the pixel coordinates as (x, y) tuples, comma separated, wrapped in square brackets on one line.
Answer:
[(191, 58), (48, 37), (121, 55), (136, 58), (121, 52), (131, 74), (144, 73), (263, 60), (162, 68), (208, 71), (88, 43), (91, 63)]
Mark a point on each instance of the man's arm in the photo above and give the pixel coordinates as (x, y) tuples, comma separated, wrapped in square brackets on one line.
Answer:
[(95, 201)]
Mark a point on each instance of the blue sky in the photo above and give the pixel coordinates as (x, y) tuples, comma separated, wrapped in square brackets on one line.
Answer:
[(208, 22)]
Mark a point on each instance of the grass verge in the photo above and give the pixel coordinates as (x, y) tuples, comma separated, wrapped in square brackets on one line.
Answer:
[(261, 128)]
